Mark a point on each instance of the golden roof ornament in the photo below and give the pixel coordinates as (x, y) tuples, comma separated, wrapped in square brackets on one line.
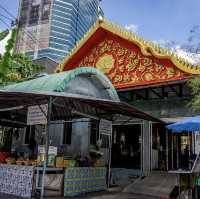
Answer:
[(147, 47)]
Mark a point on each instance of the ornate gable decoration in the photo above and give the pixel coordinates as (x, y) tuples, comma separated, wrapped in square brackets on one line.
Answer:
[(129, 67), (126, 59)]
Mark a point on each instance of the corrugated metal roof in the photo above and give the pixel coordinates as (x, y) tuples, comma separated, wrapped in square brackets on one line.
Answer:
[(91, 106)]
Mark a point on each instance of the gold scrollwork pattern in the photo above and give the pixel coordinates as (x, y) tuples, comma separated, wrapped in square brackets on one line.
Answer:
[(126, 66)]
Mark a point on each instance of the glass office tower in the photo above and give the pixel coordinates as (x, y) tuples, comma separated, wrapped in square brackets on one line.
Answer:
[(51, 28)]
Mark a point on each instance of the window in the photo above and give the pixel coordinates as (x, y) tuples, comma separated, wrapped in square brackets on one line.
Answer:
[(36, 2), (34, 15), (94, 132), (30, 133), (67, 133), (46, 1), (5, 137), (185, 142), (25, 4), (23, 17), (46, 11), (1, 136)]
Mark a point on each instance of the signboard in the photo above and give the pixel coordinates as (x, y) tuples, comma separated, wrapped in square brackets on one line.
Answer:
[(52, 150), (37, 114), (105, 127), (197, 143)]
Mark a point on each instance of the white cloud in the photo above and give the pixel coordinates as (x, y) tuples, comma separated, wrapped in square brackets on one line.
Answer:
[(193, 58), (176, 48), (132, 27)]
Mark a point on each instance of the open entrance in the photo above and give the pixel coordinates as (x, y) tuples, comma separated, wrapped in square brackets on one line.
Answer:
[(183, 150), (159, 147), (126, 150)]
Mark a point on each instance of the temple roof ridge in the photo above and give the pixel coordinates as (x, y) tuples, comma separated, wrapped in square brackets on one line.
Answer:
[(148, 48)]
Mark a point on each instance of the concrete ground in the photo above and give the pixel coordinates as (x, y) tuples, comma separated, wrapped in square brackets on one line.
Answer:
[(152, 187), (110, 194), (158, 184), (117, 196)]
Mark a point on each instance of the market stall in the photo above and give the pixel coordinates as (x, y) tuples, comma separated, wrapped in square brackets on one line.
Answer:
[(188, 158), (58, 134)]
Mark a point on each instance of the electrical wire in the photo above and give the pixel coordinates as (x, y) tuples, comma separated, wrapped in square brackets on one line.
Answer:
[(27, 44), (3, 21), (8, 26), (30, 35), (3, 8), (6, 17)]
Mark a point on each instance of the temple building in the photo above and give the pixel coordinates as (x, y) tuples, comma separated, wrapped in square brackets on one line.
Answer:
[(148, 77)]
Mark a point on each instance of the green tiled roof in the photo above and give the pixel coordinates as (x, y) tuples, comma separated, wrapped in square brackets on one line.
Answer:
[(47, 83), (58, 81)]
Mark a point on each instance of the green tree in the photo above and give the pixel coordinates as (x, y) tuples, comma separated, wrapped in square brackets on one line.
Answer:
[(3, 34), (16, 67), (194, 84)]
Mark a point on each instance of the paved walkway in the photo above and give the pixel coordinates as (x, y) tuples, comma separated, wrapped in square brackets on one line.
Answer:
[(100, 195), (152, 187), (158, 184), (115, 196)]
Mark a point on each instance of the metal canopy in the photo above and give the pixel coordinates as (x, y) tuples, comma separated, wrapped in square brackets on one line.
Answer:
[(65, 106), (13, 111)]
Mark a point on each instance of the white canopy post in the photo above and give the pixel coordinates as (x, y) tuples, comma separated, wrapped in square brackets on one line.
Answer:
[(46, 145)]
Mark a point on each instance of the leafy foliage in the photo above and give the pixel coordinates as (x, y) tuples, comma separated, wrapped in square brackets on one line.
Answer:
[(194, 84), (3, 34), (16, 67)]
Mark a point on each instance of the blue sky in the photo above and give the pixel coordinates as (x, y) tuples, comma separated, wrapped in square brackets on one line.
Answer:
[(155, 20)]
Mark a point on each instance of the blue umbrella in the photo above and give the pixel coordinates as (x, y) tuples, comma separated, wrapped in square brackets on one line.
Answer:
[(190, 124)]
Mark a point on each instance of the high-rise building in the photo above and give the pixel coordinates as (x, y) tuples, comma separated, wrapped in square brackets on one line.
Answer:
[(51, 28)]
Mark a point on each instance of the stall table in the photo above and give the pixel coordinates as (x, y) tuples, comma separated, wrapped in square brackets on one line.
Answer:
[(16, 180), (80, 180), (48, 169)]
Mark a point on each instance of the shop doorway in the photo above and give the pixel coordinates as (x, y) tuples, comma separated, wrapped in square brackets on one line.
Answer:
[(182, 150), (126, 148), (159, 147)]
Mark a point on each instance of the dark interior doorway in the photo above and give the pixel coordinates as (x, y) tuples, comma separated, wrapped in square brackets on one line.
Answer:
[(126, 149)]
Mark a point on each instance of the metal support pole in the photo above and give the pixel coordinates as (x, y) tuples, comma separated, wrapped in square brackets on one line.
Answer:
[(46, 145), (179, 186), (142, 149), (177, 151), (150, 147), (172, 152), (110, 157), (167, 152)]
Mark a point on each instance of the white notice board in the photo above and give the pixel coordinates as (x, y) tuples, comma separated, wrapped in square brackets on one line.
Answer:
[(197, 143), (37, 114), (105, 127)]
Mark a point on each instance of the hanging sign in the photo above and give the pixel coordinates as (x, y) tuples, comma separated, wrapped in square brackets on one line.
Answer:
[(105, 127), (37, 114), (52, 150), (197, 142)]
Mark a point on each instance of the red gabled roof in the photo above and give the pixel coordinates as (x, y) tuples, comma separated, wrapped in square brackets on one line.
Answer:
[(127, 59)]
